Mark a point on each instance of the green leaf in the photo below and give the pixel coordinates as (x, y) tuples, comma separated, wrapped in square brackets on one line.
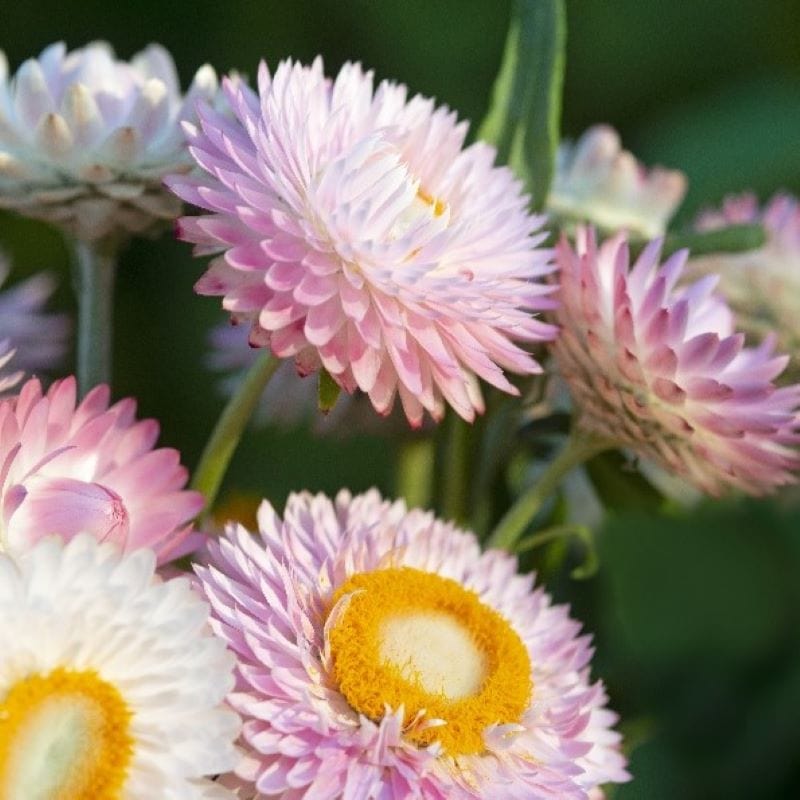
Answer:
[(732, 239), (327, 392), (525, 116)]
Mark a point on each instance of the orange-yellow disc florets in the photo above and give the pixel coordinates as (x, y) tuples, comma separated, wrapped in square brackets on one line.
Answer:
[(66, 735), (413, 639)]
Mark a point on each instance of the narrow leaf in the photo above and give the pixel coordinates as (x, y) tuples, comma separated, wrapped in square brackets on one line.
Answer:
[(525, 116)]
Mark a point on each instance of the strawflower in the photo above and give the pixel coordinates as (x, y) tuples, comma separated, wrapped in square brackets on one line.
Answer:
[(86, 139), (68, 469), (659, 368), (360, 236), (597, 181), (763, 285), (381, 654), (111, 684)]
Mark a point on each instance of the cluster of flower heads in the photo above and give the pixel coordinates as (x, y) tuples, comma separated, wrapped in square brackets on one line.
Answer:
[(352, 649)]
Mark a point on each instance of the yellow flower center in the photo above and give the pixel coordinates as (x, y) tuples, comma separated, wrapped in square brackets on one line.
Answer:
[(435, 203), (412, 639), (64, 736)]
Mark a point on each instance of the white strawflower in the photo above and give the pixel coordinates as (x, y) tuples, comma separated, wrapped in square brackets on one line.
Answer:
[(85, 139), (111, 682)]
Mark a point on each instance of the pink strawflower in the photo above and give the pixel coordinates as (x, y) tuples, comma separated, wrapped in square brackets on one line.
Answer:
[(468, 684), (38, 337), (360, 236), (598, 182), (659, 369), (762, 285), (90, 468)]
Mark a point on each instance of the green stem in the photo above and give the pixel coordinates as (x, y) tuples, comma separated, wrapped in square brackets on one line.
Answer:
[(455, 480), (230, 426), (580, 532), (414, 477), (95, 265), (580, 447)]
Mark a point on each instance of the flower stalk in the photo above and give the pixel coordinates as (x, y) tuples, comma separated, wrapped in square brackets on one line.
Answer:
[(230, 426), (580, 447), (95, 267)]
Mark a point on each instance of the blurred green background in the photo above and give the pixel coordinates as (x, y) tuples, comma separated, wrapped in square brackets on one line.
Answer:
[(697, 617)]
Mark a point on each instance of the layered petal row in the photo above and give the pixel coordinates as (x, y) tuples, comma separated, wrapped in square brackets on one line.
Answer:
[(361, 237), (658, 367)]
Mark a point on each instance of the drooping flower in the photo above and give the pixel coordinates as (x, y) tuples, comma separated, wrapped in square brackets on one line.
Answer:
[(762, 285), (90, 468), (597, 181), (111, 684), (39, 338), (360, 236), (381, 654), (659, 369), (86, 139)]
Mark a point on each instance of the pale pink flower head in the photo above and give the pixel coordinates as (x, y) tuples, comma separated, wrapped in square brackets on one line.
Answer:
[(597, 181), (761, 285), (381, 654), (67, 469), (86, 138), (359, 235), (659, 369)]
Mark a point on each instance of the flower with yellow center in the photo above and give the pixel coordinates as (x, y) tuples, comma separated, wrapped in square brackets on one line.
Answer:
[(381, 654), (111, 685)]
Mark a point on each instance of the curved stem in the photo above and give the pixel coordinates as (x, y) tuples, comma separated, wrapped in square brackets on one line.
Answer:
[(414, 476), (230, 426), (580, 447), (95, 266), (580, 532)]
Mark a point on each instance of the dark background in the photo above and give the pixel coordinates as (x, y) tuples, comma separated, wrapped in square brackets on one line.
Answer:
[(696, 616)]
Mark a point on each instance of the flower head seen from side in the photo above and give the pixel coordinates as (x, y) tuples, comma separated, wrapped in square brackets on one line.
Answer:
[(39, 338), (763, 285), (381, 654), (359, 236), (659, 369), (86, 139), (597, 181), (69, 469), (111, 684)]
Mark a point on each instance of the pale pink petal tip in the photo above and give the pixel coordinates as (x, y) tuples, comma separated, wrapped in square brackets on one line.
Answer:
[(656, 366), (272, 601), (360, 235), (91, 468)]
